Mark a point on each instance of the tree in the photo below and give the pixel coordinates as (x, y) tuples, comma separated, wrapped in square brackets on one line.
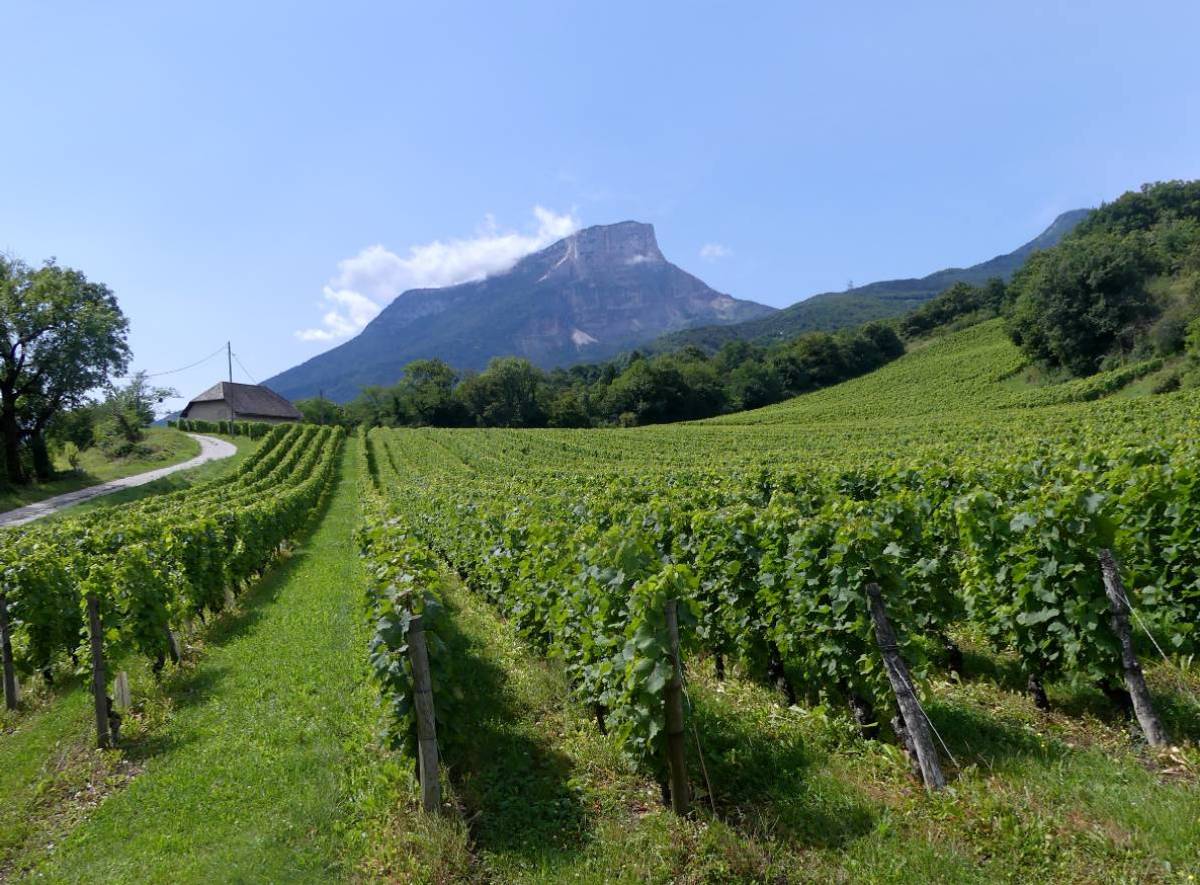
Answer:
[(884, 340), (811, 361), (75, 426), (1078, 301), (375, 406), (318, 410), (126, 411), (753, 384), (61, 336), (428, 389), (958, 301), (569, 409), (506, 394), (736, 353), (648, 391)]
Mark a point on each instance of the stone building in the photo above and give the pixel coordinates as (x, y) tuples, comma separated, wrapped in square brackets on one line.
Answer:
[(226, 401)]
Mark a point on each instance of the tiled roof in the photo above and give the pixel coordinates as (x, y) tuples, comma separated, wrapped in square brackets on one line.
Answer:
[(247, 400)]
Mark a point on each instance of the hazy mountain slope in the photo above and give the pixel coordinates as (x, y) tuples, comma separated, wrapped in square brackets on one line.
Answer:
[(587, 297), (874, 301)]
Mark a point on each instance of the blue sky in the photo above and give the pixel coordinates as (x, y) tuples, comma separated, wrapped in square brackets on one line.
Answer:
[(271, 172)]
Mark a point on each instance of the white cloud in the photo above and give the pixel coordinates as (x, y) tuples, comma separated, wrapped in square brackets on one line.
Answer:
[(714, 251), (351, 311), (366, 282)]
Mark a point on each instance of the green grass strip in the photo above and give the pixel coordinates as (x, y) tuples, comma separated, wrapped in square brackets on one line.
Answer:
[(247, 779)]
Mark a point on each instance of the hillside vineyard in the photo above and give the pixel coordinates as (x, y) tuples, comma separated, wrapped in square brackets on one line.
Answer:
[(130, 578), (963, 497)]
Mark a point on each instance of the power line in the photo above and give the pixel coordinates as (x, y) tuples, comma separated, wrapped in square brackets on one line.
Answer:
[(244, 369), (182, 369)]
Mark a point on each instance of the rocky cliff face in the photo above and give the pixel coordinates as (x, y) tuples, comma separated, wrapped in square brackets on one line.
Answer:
[(587, 297)]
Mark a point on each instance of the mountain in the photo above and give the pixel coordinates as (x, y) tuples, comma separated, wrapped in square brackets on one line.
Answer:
[(585, 298), (874, 301)]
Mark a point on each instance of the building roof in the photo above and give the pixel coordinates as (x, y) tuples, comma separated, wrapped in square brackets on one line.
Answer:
[(247, 400)]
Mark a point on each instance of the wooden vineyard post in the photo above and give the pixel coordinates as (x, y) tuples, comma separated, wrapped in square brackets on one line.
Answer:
[(99, 674), (10, 675), (172, 646), (1135, 681), (122, 698), (673, 701), (915, 724), (427, 750)]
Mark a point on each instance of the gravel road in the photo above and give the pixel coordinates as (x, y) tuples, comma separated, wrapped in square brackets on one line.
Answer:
[(211, 449)]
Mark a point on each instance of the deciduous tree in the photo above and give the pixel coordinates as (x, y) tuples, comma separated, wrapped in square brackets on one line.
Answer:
[(61, 336)]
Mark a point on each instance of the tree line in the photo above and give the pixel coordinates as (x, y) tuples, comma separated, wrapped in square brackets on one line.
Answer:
[(633, 390)]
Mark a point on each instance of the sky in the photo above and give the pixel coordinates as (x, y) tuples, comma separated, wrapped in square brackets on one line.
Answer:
[(272, 173)]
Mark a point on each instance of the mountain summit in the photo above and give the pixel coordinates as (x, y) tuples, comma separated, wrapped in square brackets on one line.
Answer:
[(587, 297)]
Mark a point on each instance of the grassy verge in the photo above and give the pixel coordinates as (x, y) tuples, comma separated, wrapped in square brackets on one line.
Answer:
[(796, 795), (173, 482), (51, 776), (168, 446), (244, 760), (1067, 796)]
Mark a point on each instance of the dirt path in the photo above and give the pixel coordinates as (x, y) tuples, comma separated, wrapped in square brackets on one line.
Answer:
[(211, 449)]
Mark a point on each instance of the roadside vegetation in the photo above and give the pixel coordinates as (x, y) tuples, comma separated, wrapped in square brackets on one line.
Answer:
[(160, 447)]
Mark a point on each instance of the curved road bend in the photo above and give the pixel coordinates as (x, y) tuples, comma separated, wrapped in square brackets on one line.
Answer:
[(211, 449)]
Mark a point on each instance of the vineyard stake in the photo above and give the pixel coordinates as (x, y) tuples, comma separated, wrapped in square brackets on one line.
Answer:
[(673, 701), (897, 674), (99, 676), (427, 751), (122, 699), (10, 675), (1135, 681)]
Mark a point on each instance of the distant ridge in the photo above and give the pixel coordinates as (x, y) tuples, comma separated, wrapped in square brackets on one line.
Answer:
[(874, 301), (587, 297)]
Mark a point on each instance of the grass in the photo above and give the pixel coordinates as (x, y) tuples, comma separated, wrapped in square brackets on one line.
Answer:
[(244, 759), (51, 776), (258, 760), (259, 763), (173, 482), (46, 761), (167, 446), (541, 796)]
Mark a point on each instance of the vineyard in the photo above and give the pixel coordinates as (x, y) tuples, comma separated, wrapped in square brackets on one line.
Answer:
[(937, 623), (834, 547), (131, 579)]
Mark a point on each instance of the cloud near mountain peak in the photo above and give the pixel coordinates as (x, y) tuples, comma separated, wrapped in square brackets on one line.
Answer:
[(365, 283)]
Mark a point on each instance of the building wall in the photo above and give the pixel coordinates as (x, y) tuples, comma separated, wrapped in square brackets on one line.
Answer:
[(211, 410)]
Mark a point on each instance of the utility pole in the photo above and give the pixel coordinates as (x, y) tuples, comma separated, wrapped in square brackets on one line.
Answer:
[(229, 358)]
